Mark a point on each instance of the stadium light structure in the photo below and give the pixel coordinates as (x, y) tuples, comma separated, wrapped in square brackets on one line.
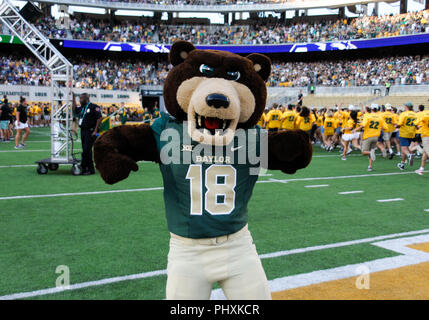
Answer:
[(61, 72)]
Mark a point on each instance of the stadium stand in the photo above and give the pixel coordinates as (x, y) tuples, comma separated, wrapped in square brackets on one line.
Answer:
[(270, 32), (110, 74)]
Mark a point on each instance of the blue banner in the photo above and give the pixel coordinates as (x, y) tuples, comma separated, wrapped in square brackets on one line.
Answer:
[(274, 48)]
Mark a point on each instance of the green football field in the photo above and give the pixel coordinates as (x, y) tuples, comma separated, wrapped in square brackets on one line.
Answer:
[(114, 239)]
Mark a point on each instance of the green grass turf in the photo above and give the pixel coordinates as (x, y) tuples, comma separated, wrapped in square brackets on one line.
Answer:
[(108, 235)]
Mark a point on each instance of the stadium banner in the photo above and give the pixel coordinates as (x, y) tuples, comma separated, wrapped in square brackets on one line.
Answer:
[(43, 94), (271, 48)]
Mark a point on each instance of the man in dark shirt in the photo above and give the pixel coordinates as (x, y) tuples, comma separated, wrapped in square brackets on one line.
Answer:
[(89, 115), (21, 124), (5, 116)]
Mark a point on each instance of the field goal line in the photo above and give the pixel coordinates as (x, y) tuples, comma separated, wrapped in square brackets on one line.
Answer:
[(156, 273)]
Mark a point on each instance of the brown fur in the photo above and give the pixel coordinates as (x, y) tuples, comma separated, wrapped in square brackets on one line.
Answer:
[(223, 62), (117, 151), (289, 151)]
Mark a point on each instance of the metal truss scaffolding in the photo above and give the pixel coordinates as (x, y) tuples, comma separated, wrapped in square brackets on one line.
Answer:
[(61, 76)]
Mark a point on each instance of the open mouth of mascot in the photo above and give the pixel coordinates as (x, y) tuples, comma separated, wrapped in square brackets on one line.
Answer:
[(215, 107)]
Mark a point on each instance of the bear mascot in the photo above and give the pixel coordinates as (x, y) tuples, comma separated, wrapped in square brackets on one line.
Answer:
[(207, 146)]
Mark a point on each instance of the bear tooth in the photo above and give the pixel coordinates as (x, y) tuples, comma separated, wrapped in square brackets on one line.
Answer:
[(199, 120), (224, 124)]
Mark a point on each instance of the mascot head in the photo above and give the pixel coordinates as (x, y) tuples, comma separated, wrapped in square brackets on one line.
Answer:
[(215, 91)]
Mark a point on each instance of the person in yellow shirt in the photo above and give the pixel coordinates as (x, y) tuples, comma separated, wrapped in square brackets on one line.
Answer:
[(261, 121), (349, 135), (272, 120), (389, 120), (288, 119), (305, 120), (407, 132), (395, 133), (37, 114), (30, 115), (415, 145), (329, 126), (423, 125), (372, 125)]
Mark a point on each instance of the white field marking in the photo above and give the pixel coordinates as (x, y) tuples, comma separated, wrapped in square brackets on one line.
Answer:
[(338, 244), (78, 193), (390, 200), (427, 210), (83, 285), (24, 150), (161, 188), (162, 272), (351, 192), (47, 141), (407, 257), (265, 175), (317, 186), (18, 166), (28, 165), (344, 177), (275, 180)]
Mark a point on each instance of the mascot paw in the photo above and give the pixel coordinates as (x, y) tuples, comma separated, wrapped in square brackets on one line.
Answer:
[(289, 151), (113, 166)]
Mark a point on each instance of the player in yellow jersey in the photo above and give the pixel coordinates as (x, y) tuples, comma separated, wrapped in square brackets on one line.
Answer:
[(372, 125), (37, 115), (407, 132), (395, 133), (288, 118), (272, 120), (423, 126), (329, 126), (389, 120), (349, 135), (305, 120), (415, 145)]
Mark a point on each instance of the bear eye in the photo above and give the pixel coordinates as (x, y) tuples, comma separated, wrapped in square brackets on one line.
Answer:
[(206, 70), (233, 75)]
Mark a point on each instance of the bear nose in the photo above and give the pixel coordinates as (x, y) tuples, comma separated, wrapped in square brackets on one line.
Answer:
[(217, 100)]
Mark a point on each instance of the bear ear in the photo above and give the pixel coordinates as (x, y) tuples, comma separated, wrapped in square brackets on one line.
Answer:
[(179, 52), (261, 64)]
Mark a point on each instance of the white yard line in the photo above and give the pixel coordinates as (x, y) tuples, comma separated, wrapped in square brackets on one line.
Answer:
[(351, 192), (25, 150), (407, 257), (317, 186), (276, 180), (143, 275), (83, 285), (78, 193), (18, 166), (390, 200), (161, 188)]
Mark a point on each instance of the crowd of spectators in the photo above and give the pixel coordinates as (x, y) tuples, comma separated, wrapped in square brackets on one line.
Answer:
[(363, 72), (365, 27), (129, 75)]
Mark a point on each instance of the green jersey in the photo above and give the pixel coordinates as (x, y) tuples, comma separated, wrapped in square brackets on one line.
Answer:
[(205, 195)]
